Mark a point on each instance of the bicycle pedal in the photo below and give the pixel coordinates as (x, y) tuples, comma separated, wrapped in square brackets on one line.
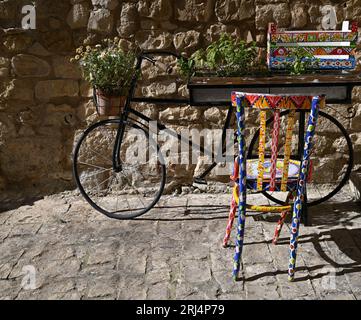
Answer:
[(200, 181)]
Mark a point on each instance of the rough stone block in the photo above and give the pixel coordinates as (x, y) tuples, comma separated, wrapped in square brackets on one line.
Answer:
[(101, 21), (355, 185), (57, 41), (4, 72), (299, 16), (128, 22), (180, 113), (214, 31), (194, 10), (46, 90), (63, 68), (78, 15), (26, 66), (8, 9), (17, 42), (4, 62), (18, 89), (108, 4), (279, 13), (159, 89), (234, 10), (186, 41), (38, 50), (159, 10), (156, 40)]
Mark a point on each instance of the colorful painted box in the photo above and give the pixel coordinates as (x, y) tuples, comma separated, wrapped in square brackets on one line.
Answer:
[(330, 50)]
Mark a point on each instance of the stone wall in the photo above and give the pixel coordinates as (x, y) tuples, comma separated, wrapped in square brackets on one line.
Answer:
[(44, 101)]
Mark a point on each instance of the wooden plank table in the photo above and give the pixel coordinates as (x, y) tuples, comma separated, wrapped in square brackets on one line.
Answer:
[(205, 91)]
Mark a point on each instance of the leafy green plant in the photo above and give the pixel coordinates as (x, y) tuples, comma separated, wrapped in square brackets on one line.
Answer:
[(107, 67), (301, 62), (189, 66), (186, 67), (230, 57), (225, 57)]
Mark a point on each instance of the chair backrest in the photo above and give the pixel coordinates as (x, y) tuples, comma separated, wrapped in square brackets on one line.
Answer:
[(276, 103), (334, 50)]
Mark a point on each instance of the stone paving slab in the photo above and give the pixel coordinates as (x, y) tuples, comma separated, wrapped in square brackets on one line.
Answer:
[(174, 252)]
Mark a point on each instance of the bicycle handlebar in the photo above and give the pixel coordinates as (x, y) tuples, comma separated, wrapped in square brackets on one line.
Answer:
[(166, 68), (160, 53), (144, 55)]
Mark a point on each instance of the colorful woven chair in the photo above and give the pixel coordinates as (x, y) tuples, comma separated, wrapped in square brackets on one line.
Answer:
[(284, 175)]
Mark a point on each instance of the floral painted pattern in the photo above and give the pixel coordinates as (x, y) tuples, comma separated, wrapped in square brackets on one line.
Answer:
[(283, 44)]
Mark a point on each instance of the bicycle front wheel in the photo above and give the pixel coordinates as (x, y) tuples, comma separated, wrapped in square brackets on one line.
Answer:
[(129, 190)]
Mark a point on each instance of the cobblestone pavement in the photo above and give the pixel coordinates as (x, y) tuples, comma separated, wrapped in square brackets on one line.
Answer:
[(174, 252)]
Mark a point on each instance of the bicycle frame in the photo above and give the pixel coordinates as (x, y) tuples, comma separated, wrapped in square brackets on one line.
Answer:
[(124, 116), (127, 111)]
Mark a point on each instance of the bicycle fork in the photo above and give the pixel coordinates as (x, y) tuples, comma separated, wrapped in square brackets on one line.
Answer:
[(117, 166)]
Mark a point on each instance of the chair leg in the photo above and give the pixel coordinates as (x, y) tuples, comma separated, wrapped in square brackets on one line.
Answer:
[(281, 221), (279, 227), (294, 238), (232, 214), (239, 239)]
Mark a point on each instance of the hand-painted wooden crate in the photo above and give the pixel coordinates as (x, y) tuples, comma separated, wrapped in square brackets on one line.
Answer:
[(330, 50)]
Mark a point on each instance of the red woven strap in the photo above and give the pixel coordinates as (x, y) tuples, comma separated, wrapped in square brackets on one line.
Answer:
[(274, 148), (288, 149)]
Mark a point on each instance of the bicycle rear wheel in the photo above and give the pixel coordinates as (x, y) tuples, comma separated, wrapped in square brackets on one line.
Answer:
[(136, 186), (331, 164)]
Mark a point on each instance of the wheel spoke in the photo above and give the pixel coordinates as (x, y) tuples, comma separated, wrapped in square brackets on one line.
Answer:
[(110, 138), (92, 165), (98, 185), (131, 185), (129, 206), (99, 154), (126, 194)]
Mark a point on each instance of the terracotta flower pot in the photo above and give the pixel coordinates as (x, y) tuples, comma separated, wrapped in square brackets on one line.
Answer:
[(108, 105)]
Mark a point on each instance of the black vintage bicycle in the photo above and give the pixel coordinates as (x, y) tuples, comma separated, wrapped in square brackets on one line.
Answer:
[(120, 170)]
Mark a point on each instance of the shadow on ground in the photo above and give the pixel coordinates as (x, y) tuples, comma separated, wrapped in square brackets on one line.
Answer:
[(322, 217), (7, 205), (192, 212), (338, 236)]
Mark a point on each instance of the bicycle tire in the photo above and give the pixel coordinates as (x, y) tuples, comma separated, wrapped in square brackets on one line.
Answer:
[(342, 181), (117, 214)]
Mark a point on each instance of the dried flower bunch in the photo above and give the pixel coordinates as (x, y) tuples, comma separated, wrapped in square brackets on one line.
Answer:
[(107, 66)]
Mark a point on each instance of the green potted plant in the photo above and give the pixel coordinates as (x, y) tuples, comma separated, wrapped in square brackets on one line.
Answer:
[(213, 72), (301, 62), (110, 70), (228, 64), (229, 57), (226, 57)]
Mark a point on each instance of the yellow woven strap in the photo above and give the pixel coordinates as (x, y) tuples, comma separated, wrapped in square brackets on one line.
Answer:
[(261, 149), (260, 208), (268, 208), (288, 149)]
